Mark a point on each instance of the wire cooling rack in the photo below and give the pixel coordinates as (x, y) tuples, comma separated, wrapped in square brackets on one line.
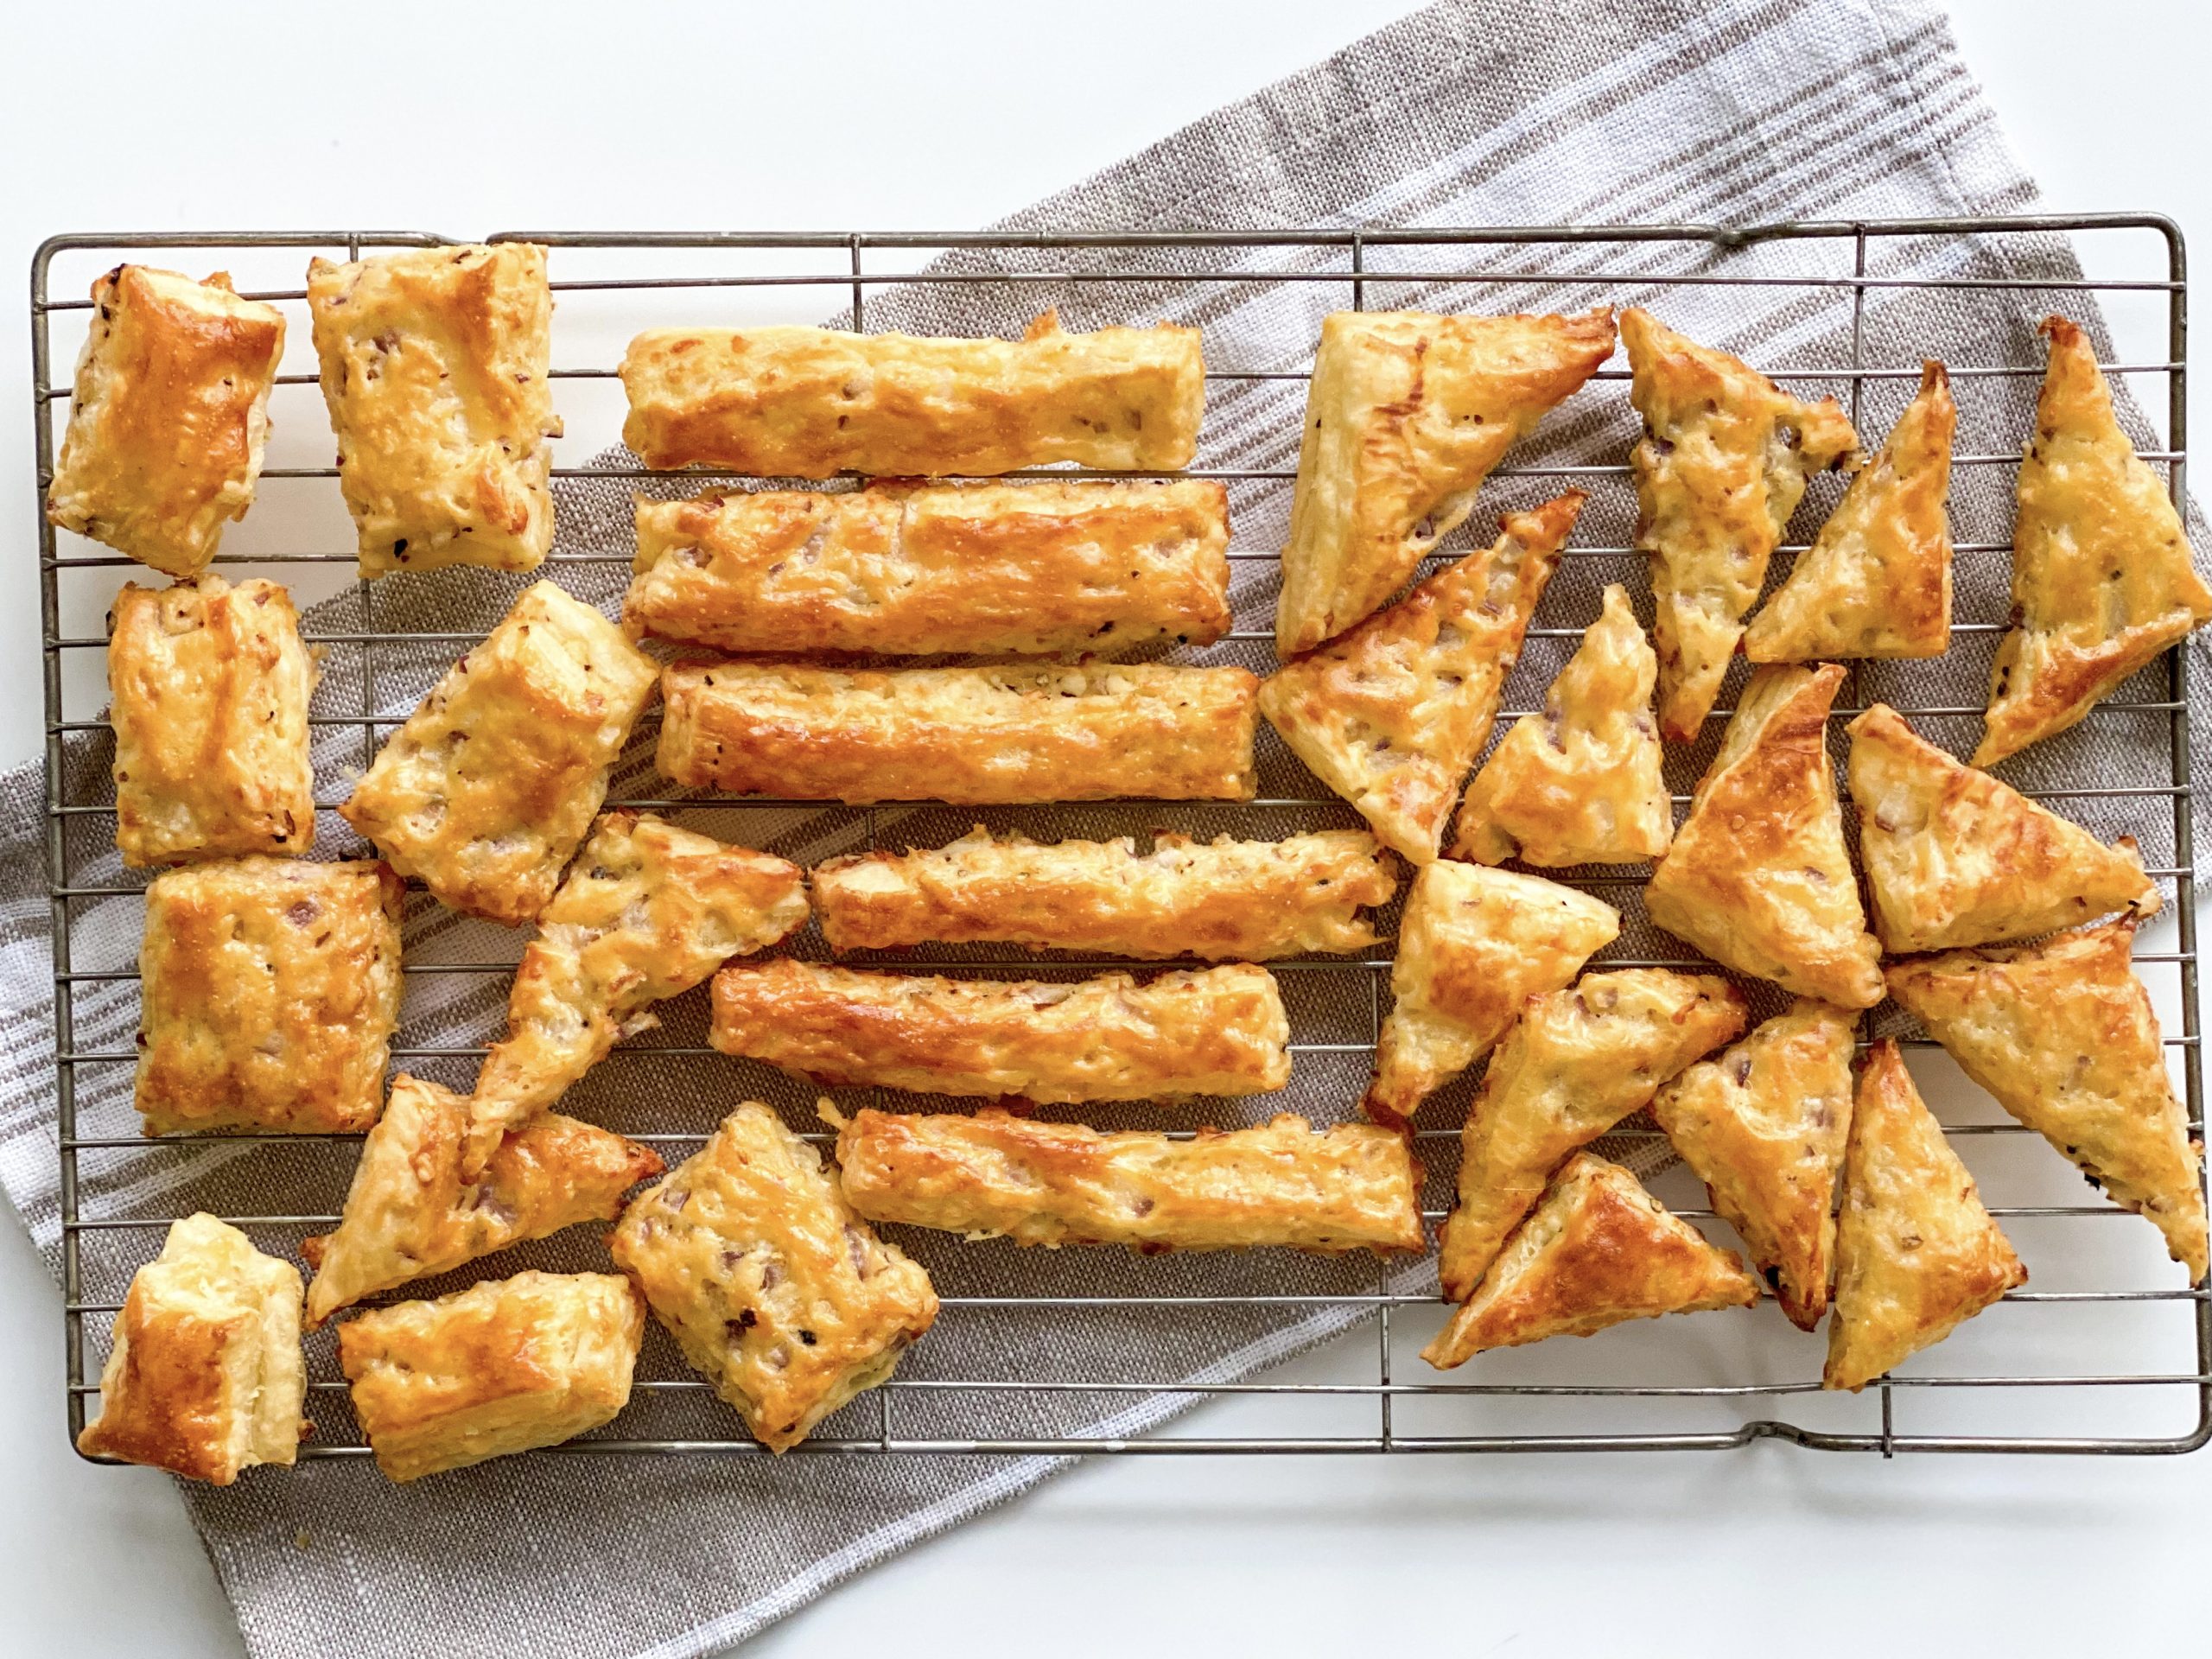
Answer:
[(1559, 1396)]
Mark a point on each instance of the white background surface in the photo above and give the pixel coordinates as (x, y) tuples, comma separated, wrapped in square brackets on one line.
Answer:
[(835, 116)]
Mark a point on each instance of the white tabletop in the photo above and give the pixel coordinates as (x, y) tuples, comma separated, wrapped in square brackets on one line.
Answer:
[(831, 115)]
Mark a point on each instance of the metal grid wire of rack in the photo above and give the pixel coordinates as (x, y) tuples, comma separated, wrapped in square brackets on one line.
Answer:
[(1831, 283)]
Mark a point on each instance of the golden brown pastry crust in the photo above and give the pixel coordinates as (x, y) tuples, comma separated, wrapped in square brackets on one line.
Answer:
[(1763, 1125), (1223, 900), (1211, 1031), (435, 370), (2103, 579), (1877, 580), (1722, 463), (787, 401), (169, 417), (204, 1374), (2063, 1033), (270, 990), (1580, 783), (1473, 946), (973, 736), (1758, 877), (1597, 1249), (1916, 1254), (409, 1213), (907, 571), (1576, 1063), (647, 912), (777, 1290), (1391, 716), (1954, 857), (502, 1367), (487, 789), (210, 686), (1285, 1184), (1405, 415)]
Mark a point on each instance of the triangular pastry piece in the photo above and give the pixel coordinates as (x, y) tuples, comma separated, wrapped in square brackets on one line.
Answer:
[(1577, 1061), (2102, 577), (1405, 417), (1763, 1124), (1723, 463), (408, 1213), (1391, 716), (1473, 945), (1916, 1254), (646, 911), (1597, 1251), (1580, 783), (2063, 1033), (1877, 580), (1954, 858), (1758, 877)]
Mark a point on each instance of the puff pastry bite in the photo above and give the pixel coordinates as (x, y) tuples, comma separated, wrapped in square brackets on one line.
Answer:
[(209, 686), (1758, 877), (1597, 1251), (409, 1212), (169, 418), (1576, 1063), (2063, 1034), (786, 401), (435, 365), (1405, 416), (1723, 461), (1391, 716), (1223, 900), (487, 789), (1877, 580), (1474, 946), (974, 736), (1212, 1031), (269, 990), (204, 1374), (777, 1290), (1954, 857), (2103, 579), (1102, 567), (648, 911), (1916, 1254), (499, 1368), (1351, 1186), (1581, 782), (1763, 1125)]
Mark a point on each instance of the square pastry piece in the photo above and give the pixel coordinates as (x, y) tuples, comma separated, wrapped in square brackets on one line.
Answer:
[(434, 368), (498, 1368), (169, 418), (204, 1376), (270, 988), (209, 686), (487, 789), (779, 1294)]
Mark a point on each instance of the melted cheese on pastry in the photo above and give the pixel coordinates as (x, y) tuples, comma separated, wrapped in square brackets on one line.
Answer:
[(973, 736), (210, 686), (204, 1374), (169, 417), (909, 572), (487, 789), (1391, 716), (1758, 877), (1213, 1031), (777, 1291), (1352, 1186)]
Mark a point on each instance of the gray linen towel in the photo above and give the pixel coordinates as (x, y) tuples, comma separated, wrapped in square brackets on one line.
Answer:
[(1476, 112)]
